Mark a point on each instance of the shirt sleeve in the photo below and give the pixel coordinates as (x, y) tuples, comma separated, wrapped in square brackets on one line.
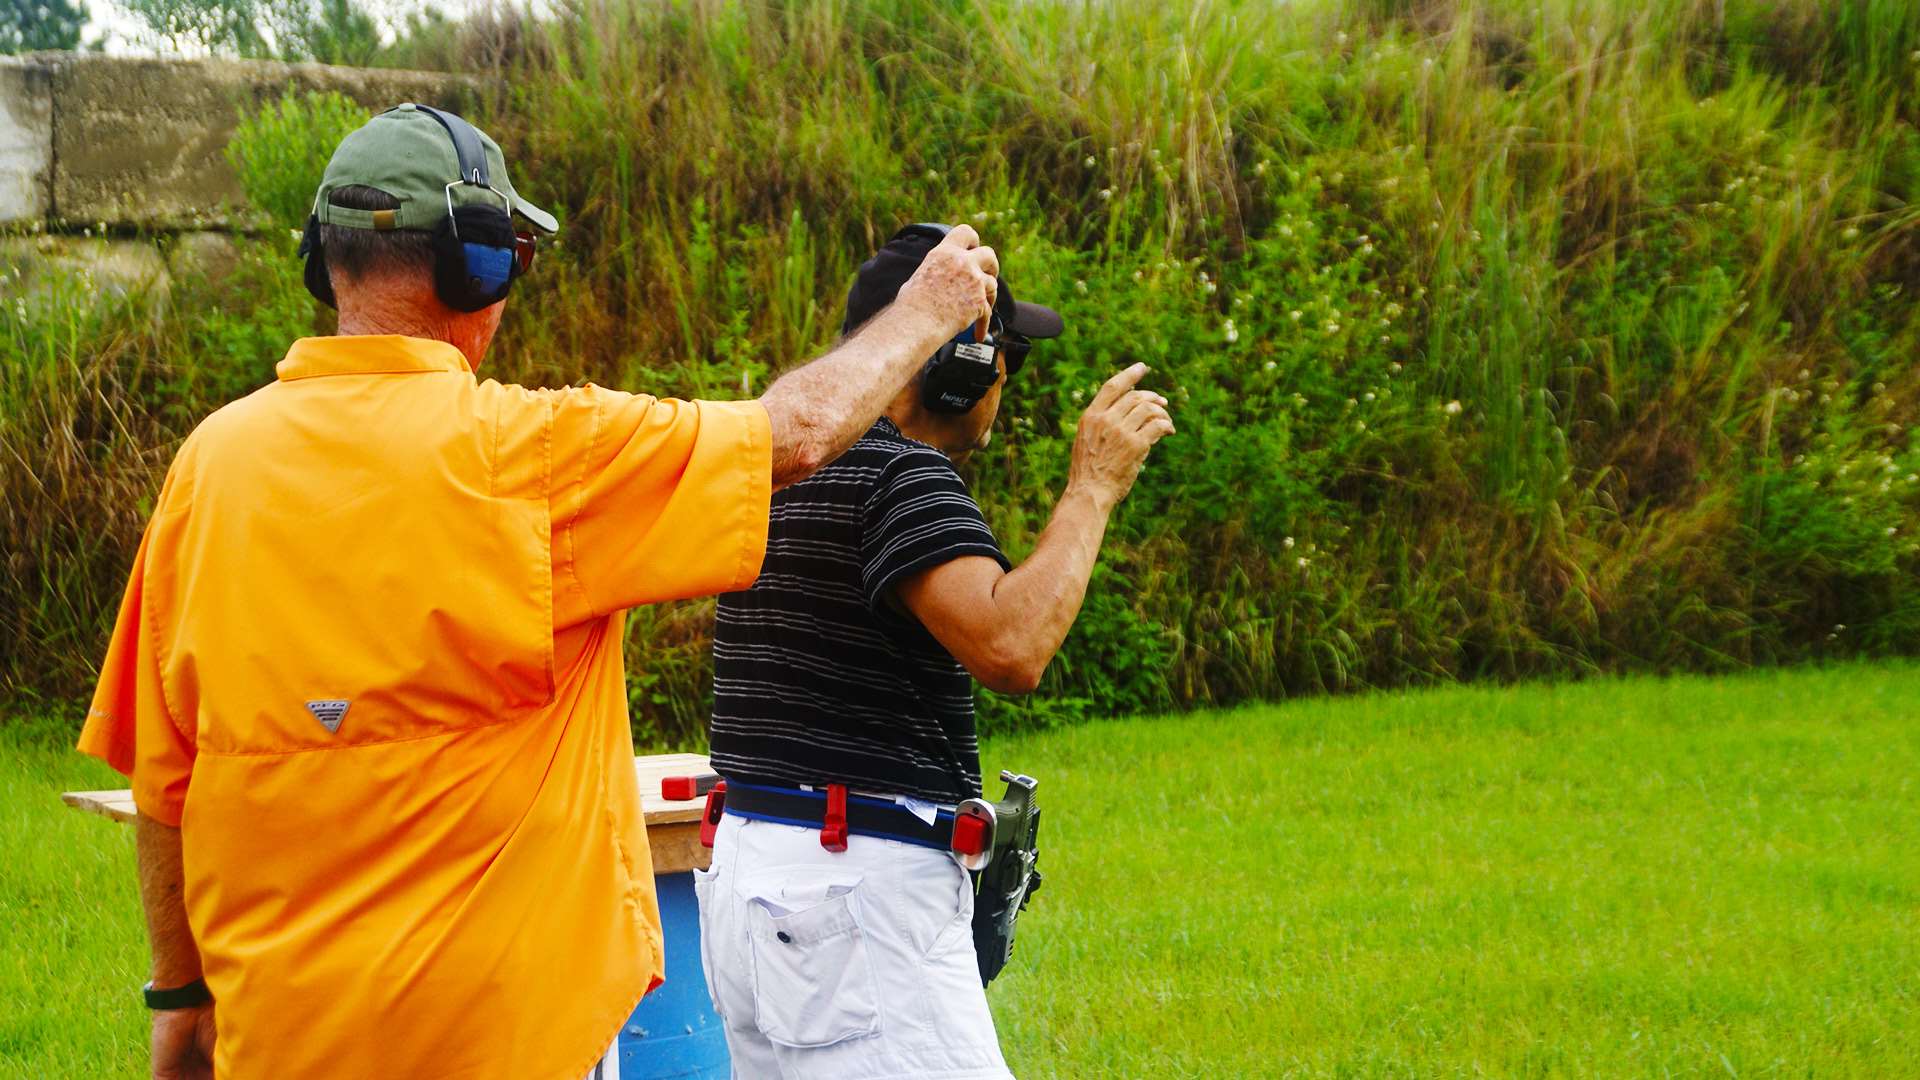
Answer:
[(920, 516), (654, 499), (129, 725)]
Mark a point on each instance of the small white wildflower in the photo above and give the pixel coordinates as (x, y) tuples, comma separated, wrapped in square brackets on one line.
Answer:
[(1211, 288), (1287, 543), (1078, 394), (933, 174), (1106, 193), (1259, 168), (1368, 396), (1231, 332), (1079, 286), (1393, 368), (1839, 628), (1332, 327), (1385, 338), (1891, 529), (1341, 37), (1359, 425), (1351, 403), (1294, 314), (1137, 275), (1090, 162), (1269, 365), (1366, 249), (1301, 562), (1286, 230), (1849, 233), (1452, 408)]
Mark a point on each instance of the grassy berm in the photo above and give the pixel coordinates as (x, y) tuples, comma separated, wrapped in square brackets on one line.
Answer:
[(1633, 877), (1505, 339)]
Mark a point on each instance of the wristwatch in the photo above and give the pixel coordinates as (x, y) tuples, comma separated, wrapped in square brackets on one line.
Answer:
[(190, 996)]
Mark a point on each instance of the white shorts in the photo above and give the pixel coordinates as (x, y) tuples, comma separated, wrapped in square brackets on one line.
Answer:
[(855, 965)]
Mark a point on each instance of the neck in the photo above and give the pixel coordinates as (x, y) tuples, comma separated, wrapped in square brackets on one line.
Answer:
[(408, 309), (915, 422), (392, 322)]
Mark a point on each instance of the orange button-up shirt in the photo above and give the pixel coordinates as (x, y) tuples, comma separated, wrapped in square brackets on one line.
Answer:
[(369, 662)]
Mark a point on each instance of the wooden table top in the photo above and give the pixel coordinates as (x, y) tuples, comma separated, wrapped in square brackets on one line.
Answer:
[(673, 826)]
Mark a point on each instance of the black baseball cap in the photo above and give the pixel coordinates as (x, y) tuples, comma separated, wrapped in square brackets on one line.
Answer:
[(878, 281)]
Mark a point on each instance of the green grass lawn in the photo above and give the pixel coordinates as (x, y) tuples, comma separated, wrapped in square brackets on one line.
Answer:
[(1711, 877)]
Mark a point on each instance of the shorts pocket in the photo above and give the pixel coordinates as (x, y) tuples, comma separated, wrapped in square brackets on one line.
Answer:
[(813, 981)]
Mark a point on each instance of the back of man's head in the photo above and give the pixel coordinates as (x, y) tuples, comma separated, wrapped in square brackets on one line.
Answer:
[(357, 256)]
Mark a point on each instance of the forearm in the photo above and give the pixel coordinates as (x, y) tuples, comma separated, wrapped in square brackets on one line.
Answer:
[(176, 958), (819, 410), (1035, 603)]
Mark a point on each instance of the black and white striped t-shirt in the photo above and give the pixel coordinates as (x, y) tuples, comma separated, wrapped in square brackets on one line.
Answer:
[(817, 678)]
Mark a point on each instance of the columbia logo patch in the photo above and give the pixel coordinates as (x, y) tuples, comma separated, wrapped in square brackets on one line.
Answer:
[(329, 712)]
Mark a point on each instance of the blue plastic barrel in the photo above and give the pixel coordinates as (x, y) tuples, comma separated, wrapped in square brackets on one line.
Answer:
[(674, 1033)]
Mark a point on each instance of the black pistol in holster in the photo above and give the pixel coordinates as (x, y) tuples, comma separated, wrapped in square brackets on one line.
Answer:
[(1004, 871)]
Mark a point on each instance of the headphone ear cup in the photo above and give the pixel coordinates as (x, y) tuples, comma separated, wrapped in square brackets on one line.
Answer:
[(952, 384), (933, 391), (318, 281), (473, 263)]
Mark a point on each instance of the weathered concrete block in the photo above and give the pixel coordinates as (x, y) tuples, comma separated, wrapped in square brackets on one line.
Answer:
[(141, 142), (81, 270), (209, 256), (26, 139)]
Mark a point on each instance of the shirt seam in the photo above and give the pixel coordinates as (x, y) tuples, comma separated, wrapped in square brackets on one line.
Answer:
[(154, 640), (573, 516), (744, 530)]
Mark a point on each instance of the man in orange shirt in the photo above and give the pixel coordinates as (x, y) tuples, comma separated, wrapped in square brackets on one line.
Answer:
[(367, 679)]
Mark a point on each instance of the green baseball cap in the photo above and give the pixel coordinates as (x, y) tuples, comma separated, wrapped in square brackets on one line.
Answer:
[(430, 160)]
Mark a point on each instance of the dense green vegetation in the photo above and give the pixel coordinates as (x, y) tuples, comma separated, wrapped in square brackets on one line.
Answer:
[(1631, 877), (1504, 339)]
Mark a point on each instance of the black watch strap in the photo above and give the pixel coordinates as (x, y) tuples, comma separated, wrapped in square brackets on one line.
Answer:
[(192, 995)]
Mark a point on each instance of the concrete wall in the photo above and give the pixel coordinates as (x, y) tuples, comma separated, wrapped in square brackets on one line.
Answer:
[(140, 144), (26, 139)]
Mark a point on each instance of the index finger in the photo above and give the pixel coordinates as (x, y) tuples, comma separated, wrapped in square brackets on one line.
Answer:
[(1118, 385), (962, 237)]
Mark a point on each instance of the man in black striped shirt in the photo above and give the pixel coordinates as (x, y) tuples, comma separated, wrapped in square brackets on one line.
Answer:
[(850, 664)]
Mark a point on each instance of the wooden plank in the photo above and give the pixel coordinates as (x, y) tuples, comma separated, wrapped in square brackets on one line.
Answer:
[(650, 770), (677, 848), (117, 805)]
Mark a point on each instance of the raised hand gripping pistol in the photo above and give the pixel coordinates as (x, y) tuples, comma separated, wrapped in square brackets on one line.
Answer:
[(1005, 872)]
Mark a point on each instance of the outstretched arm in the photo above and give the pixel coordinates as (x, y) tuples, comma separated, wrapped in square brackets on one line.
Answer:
[(1005, 626), (817, 411)]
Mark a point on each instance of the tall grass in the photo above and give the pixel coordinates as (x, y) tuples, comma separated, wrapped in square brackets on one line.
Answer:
[(1505, 339)]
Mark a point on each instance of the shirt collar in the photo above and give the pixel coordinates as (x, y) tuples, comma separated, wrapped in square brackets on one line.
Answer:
[(371, 354)]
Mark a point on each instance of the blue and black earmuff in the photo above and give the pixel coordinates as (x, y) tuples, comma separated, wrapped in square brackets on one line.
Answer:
[(474, 262), (958, 376)]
